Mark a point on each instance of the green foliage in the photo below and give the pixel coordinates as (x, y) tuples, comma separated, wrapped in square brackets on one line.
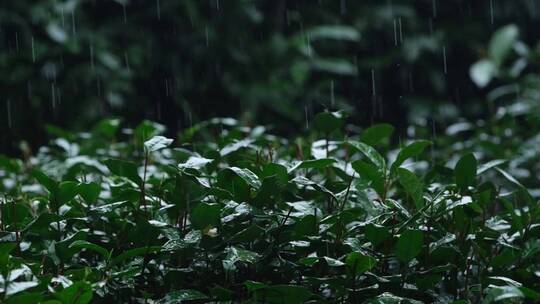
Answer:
[(252, 218), (465, 171), (72, 62), (231, 213)]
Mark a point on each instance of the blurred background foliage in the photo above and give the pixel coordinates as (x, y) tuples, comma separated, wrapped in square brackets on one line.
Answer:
[(71, 63)]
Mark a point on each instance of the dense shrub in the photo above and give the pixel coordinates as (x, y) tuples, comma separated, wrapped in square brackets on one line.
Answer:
[(233, 213)]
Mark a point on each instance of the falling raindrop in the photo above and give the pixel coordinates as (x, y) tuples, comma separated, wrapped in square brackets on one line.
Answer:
[(332, 97), (124, 12), (29, 90), (373, 108), (17, 42), (33, 49), (58, 96), (532, 8), (308, 41), (53, 96), (411, 83), (434, 8), (9, 113), (217, 5), (98, 85), (126, 60), (62, 17), (444, 59), (306, 113), (158, 10), (395, 32), (373, 82), (400, 31), (206, 34), (430, 23), (73, 28), (491, 11), (166, 87), (433, 137), (342, 7), (92, 56)]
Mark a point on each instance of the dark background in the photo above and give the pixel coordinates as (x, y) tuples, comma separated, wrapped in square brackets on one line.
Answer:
[(70, 63)]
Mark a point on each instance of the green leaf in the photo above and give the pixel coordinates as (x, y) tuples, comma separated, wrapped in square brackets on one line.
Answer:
[(236, 254), (47, 182), (482, 71), (179, 296), (56, 32), (465, 171), (17, 287), (89, 191), (249, 234), (14, 213), (388, 298), (157, 143), (252, 285), (195, 162), (5, 249), (412, 185), (126, 255), (370, 153), (190, 240), (26, 298), (327, 122), (377, 133), (77, 293), (502, 42), (235, 146), (313, 164), (510, 178), (107, 128), (268, 191), (302, 181), (370, 173), (332, 262), (337, 66), (249, 177), (337, 32), (500, 293), (125, 169), (490, 164), (376, 234), (87, 245), (277, 170), (409, 245), (205, 215), (284, 294), (146, 130), (359, 263), (530, 293), (67, 191), (412, 150), (307, 225)]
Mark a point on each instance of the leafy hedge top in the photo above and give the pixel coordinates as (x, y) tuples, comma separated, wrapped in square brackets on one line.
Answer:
[(233, 213)]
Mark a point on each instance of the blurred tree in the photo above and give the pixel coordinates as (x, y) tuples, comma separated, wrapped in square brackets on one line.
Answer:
[(69, 62)]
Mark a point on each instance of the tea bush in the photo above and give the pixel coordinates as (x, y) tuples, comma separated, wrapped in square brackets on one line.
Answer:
[(233, 214)]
